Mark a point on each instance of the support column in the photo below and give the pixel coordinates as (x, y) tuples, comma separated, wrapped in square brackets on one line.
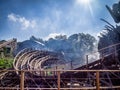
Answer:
[(58, 81), (97, 80), (22, 80)]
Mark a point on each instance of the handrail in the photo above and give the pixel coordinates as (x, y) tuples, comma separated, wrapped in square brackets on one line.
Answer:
[(104, 48), (113, 45), (63, 70), (97, 80)]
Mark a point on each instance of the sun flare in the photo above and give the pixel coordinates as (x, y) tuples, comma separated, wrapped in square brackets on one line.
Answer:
[(86, 4), (83, 1)]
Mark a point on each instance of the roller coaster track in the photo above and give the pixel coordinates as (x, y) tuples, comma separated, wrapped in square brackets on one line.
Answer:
[(31, 59), (35, 61), (109, 60), (109, 56)]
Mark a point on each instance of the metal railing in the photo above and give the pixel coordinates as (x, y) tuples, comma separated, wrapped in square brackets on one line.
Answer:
[(96, 55), (67, 80), (102, 53)]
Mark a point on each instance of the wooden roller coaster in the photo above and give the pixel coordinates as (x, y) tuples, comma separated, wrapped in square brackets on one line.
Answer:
[(45, 70)]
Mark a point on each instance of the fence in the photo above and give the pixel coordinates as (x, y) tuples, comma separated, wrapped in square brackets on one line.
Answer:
[(65, 80)]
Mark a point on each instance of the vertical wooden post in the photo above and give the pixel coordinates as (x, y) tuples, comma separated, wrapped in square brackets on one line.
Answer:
[(22, 80), (58, 81), (97, 80), (86, 61)]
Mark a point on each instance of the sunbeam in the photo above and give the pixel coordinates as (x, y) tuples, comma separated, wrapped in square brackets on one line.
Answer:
[(86, 4)]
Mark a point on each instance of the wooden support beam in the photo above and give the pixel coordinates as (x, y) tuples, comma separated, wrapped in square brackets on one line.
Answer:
[(97, 80), (22, 80), (58, 81)]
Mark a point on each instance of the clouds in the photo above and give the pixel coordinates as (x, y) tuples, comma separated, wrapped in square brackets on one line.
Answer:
[(22, 21), (46, 19), (56, 20)]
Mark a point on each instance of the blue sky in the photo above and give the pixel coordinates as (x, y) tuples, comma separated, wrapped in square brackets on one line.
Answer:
[(45, 18)]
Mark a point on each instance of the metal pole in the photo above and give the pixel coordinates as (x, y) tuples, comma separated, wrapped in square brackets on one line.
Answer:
[(22, 80), (86, 61), (97, 80), (71, 64), (58, 81)]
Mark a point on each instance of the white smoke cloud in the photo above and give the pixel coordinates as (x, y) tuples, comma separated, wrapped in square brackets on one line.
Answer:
[(22, 21), (53, 35)]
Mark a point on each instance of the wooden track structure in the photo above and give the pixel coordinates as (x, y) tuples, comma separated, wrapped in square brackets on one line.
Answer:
[(31, 59), (101, 74)]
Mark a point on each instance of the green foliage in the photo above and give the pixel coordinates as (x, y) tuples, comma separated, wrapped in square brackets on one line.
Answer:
[(6, 63)]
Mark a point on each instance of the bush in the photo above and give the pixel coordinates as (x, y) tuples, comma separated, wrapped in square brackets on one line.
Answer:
[(6, 63)]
